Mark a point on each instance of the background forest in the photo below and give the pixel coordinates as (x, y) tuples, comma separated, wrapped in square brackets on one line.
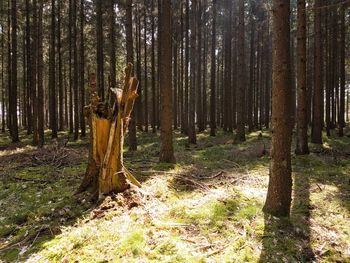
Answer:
[(238, 136)]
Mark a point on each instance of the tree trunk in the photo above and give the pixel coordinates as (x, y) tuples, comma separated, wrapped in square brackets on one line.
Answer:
[(52, 72), (99, 49), (241, 83), (130, 59), (60, 77), (213, 75), (199, 72), (278, 200), (145, 66), (301, 140), (82, 69), (192, 99), (75, 71), (153, 72), (13, 93), (105, 170), (341, 119), (317, 111), (29, 71), (228, 125), (40, 71), (166, 133)]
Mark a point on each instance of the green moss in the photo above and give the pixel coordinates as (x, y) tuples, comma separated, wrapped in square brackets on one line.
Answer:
[(133, 242)]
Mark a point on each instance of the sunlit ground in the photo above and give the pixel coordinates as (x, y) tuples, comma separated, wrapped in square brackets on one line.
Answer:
[(206, 208)]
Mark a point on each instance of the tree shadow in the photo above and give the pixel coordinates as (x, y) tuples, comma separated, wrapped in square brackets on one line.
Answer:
[(37, 198), (288, 239)]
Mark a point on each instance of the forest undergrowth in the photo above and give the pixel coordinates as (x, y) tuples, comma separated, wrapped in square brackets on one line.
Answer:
[(205, 208)]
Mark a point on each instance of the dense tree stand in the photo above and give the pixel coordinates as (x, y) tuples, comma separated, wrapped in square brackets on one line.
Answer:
[(105, 171)]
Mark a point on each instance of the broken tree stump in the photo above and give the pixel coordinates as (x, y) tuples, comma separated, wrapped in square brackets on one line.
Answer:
[(105, 171)]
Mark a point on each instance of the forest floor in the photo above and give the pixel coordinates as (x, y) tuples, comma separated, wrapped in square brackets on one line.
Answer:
[(206, 208)]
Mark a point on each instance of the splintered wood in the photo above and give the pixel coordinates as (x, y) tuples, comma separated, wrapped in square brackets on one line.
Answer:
[(108, 127)]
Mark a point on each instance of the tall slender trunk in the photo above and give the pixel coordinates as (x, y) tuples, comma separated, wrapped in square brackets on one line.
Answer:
[(250, 99), (99, 49), (130, 59), (40, 73), (34, 72), (75, 71), (52, 72), (341, 120), (153, 71), (70, 34), (317, 111), (166, 133), (278, 199), (241, 83), (3, 112), (192, 99), (138, 70), (60, 77), (301, 140), (199, 71), (29, 71), (187, 60), (13, 93), (82, 70), (145, 88), (213, 75)]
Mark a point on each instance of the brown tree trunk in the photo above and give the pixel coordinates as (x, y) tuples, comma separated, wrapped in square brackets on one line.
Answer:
[(166, 133), (213, 75), (153, 72), (60, 76), (192, 99), (241, 83), (341, 120), (40, 72), (71, 124), (317, 111), (130, 59), (99, 49), (3, 112), (187, 61), (278, 200), (301, 140), (199, 72), (13, 90), (52, 72), (75, 71), (145, 66), (250, 95), (82, 70), (138, 105), (29, 71)]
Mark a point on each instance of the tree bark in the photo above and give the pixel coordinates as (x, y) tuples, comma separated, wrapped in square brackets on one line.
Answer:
[(130, 59), (302, 93), (213, 74), (166, 133), (317, 111), (278, 200), (341, 119), (52, 72), (82, 70), (241, 83), (13, 93), (99, 49)]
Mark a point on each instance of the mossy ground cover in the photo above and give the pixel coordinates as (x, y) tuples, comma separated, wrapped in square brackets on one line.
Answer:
[(206, 208)]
